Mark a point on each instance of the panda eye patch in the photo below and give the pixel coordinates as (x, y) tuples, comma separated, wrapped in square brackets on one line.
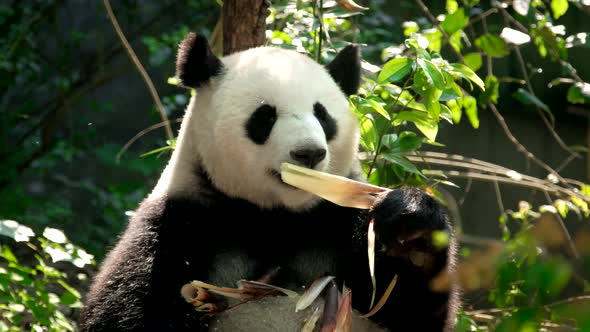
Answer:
[(260, 123), (328, 123)]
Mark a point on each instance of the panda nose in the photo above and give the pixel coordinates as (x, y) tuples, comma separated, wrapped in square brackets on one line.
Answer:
[(309, 157)]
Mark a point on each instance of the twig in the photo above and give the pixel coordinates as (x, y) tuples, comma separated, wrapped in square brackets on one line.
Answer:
[(319, 12), (499, 197), (570, 241), (565, 163), (492, 178), (466, 191), (140, 134), (555, 135), (520, 148), (478, 240), (498, 172), (140, 68), (482, 16)]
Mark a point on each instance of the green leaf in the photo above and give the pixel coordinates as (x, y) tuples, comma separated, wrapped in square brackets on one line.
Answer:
[(431, 97), (469, 74), (456, 40), (452, 92), (407, 141), (470, 106), (433, 73), (401, 161), (455, 21), (378, 108), (579, 93), (427, 125), (410, 27), (73, 296), (562, 207), (527, 98), (8, 255), (429, 129), (434, 37), (455, 107), (492, 88), (492, 45), (451, 6), (473, 60), (559, 8), (368, 133), (395, 69)]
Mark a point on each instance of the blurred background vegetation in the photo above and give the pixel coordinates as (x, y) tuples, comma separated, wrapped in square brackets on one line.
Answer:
[(506, 161)]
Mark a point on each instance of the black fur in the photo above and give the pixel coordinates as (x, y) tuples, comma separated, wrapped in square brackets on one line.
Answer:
[(195, 62), (170, 242), (346, 69), (328, 123), (260, 123)]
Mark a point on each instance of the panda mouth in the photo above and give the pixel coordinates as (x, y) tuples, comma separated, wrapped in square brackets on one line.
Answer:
[(277, 175)]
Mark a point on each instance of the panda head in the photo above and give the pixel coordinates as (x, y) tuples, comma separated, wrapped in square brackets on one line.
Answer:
[(258, 108)]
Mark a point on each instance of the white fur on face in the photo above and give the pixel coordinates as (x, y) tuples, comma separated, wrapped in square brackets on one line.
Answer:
[(290, 82)]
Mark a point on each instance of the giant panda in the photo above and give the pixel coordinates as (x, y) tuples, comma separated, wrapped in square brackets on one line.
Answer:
[(221, 213)]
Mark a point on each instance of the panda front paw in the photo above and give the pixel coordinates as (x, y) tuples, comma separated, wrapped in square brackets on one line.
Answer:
[(404, 222)]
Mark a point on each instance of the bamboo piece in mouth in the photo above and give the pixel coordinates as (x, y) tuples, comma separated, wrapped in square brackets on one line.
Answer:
[(334, 188)]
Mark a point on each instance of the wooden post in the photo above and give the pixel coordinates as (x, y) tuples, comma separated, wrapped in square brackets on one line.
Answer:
[(244, 24)]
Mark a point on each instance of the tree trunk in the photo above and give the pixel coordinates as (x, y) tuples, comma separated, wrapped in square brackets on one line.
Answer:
[(244, 24)]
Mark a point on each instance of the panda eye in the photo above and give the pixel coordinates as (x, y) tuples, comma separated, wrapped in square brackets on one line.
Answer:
[(327, 122), (260, 123)]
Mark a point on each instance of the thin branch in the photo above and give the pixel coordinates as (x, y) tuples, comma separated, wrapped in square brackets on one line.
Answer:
[(451, 160), (497, 172), (484, 25), (519, 147), (570, 241), (466, 191), (141, 133), (565, 163), (555, 135), (320, 15), (492, 178), (140, 68), (499, 197), (482, 16), (477, 240)]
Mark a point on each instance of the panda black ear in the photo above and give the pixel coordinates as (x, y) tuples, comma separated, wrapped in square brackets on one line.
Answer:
[(346, 69), (195, 61)]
